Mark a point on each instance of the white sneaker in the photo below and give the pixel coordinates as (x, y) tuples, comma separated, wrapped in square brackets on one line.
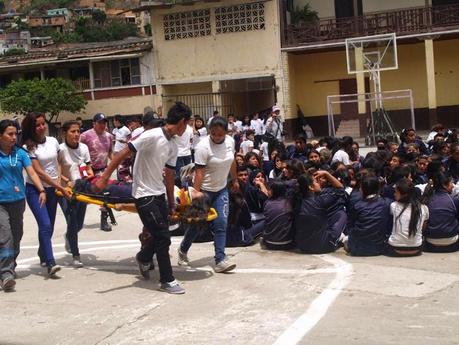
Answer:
[(224, 266), (77, 262), (172, 287), (182, 258)]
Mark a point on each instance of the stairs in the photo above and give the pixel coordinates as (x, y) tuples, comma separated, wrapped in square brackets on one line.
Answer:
[(348, 128)]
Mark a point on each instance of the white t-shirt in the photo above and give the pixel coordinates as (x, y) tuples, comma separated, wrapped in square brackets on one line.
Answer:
[(46, 154), (136, 132), (71, 160), (217, 160), (121, 138), (265, 149), (258, 126), (201, 134), (154, 152), (400, 228), (246, 146), (341, 156), (184, 142)]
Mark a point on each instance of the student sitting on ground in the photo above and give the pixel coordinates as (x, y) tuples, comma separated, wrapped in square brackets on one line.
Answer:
[(278, 230), (409, 218), (313, 233), (370, 221), (441, 234)]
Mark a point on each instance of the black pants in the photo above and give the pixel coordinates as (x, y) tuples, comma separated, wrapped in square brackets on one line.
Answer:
[(153, 212)]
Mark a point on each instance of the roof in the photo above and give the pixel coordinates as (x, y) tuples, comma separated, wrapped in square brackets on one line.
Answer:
[(148, 5), (74, 51)]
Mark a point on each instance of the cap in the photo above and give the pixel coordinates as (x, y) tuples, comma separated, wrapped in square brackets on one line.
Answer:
[(99, 117), (276, 108)]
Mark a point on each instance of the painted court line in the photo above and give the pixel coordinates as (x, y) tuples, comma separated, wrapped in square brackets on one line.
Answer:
[(318, 308), (293, 334)]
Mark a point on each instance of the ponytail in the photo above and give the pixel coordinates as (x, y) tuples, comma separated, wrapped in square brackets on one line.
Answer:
[(409, 198)]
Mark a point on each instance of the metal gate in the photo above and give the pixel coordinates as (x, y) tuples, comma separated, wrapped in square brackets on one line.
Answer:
[(203, 104)]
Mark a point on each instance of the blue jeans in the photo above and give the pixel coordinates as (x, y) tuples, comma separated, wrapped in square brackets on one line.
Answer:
[(181, 162), (220, 201), (74, 212), (45, 217)]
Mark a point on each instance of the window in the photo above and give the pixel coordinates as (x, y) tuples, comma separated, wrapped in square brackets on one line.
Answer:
[(239, 18), (117, 73), (186, 24)]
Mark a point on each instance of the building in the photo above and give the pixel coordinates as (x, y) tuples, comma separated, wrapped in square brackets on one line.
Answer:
[(14, 39), (114, 77), (428, 60), (217, 55), (59, 23), (243, 56)]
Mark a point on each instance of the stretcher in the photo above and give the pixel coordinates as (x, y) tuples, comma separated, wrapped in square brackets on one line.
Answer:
[(127, 204)]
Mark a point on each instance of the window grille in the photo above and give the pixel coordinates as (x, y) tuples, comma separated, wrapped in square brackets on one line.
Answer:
[(186, 24), (239, 18)]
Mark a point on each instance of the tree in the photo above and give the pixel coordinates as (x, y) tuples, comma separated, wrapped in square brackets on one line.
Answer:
[(50, 96), (99, 16), (14, 52)]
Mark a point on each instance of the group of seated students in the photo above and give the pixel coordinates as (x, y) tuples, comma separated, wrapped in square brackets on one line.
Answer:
[(399, 200)]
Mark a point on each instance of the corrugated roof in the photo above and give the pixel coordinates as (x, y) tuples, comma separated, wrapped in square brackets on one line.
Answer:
[(77, 51)]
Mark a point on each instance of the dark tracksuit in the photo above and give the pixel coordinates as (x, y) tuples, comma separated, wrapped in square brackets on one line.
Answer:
[(278, 230), (443, 220), (313, 233), (369, 227)]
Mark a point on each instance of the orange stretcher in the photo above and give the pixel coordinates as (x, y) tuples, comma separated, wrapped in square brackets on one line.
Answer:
[(182, 197)]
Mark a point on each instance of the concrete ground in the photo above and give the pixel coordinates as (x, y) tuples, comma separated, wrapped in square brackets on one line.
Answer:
[(272, 297)]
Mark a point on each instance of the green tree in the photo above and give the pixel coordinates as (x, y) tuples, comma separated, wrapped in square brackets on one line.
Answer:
[(99, 16), (50, 96), (14, 51)]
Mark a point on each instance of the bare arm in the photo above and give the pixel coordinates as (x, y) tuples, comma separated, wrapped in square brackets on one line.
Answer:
[(101, 183), (37, 183), (170, 179)]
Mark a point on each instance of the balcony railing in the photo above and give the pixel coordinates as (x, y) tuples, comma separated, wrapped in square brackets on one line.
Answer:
[(403, 21), (82, 84)]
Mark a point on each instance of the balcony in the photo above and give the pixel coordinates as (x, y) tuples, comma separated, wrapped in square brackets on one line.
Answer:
[(82, 84), (402, 21)]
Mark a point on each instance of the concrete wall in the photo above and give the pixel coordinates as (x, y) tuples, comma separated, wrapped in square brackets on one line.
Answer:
[(217, 56)]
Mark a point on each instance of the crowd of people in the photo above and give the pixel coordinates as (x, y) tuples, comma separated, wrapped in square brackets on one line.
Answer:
[(313, 196)]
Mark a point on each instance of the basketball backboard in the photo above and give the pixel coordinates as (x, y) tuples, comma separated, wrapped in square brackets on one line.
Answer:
[(371, 53)]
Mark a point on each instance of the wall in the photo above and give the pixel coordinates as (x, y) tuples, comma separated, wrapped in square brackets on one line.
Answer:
[(316, 75), (216, 57)]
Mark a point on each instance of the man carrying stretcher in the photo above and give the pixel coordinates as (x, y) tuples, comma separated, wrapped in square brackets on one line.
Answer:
[(155, 151)]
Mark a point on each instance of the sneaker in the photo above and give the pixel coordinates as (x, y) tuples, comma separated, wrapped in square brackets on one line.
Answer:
[(182, 258), (77, 262), (172, 287), (52, 270), (144, 268), (224, 266), (67, 245), (8, 284)]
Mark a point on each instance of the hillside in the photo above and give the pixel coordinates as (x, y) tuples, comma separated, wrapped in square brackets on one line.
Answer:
[(27, 4)]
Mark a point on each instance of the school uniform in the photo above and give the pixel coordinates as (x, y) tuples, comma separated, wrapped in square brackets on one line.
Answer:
[(278, 224), (370, 226), (313, 233), (441, 233)]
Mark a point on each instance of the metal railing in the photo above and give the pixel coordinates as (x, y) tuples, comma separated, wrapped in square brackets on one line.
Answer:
[(401, 21)]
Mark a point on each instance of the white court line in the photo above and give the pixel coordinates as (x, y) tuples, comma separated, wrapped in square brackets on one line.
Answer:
[(90, 243), (320, 305), (305, 323)]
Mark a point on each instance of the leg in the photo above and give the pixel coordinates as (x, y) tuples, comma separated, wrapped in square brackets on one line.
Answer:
[(220, 201), (71, 210), (6, 244), (153, 212), (41, 215), (16, 212)]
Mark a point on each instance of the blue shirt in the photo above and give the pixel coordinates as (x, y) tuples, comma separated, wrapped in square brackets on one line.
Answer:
[(11, 177)]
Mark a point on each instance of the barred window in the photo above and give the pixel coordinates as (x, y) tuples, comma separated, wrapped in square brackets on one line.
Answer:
[(244, 17), (186, 24)]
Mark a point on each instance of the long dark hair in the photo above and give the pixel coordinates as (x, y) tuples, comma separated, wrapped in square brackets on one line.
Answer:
[(370, 185), (28, 129), (409, 198), (437, 183)]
